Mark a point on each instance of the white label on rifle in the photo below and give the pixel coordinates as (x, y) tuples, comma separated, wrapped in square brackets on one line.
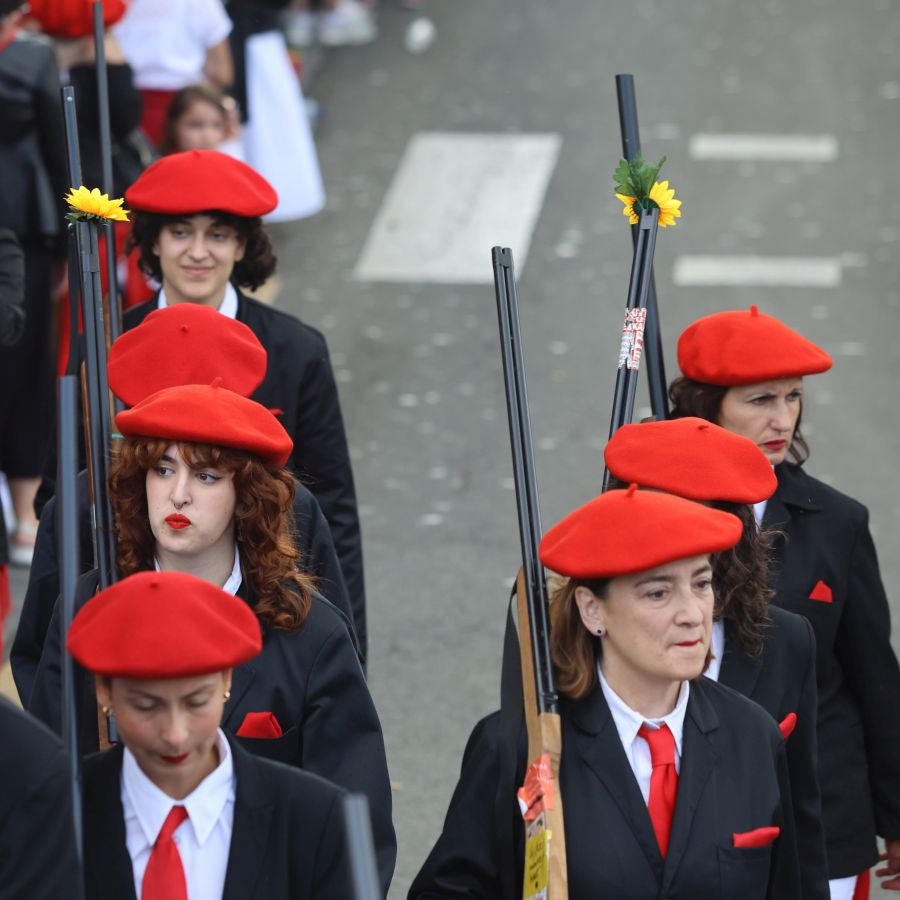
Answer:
[(632, 338)]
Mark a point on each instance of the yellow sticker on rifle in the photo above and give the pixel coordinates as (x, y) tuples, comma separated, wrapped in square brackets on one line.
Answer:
[(537, 863)]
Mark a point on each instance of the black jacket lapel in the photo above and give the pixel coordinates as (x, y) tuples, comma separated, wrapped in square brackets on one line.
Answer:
[(108, 871), (241, 679), (600, 747), (698, 758), (253, 809)]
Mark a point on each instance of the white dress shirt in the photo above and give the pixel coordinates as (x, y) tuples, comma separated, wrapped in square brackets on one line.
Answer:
[(628, 722), (228, 306), (759, 510), (203, 839), (233, 582), (718, 650)]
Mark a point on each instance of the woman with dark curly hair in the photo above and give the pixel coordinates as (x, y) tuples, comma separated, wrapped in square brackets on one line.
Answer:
[(198, 231), (670, 784), (765, 653), (198, 487), (744, 370)]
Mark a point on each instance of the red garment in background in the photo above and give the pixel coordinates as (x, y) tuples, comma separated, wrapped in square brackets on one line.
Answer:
[(153, 119), (134, 291)]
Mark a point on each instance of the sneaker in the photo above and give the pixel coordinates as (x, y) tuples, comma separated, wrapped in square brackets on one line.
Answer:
[(299, 28), (349, 23), (21, 547)]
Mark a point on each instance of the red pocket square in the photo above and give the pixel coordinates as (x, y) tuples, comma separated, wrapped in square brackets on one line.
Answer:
[(260, 725), (787, 725), (759, 837), (821, 592)]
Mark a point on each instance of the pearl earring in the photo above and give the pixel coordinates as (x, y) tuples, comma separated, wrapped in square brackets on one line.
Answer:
[(600, 632)]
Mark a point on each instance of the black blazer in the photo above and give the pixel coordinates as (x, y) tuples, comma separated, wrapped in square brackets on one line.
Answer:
[(782, 680), (37, 833), (827, 540), (731, 781), (299, 381), (310, 680), (312, 538), (287, 842)]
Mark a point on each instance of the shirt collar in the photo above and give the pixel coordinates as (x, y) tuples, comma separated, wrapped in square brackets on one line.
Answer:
[(233, 582), (204, 804), (628, 721), (228, 306)]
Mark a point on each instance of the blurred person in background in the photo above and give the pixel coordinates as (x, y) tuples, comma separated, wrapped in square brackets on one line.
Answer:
[(202, 117), (33, 181)]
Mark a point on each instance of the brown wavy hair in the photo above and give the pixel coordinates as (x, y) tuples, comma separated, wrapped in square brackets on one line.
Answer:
[(263, 517), (693, 398), (258, 262), (573, 649), (742, 580)]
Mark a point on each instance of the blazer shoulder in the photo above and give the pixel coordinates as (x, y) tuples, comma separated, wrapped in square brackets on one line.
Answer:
[(796, 484), (278, 323), (28, 746), (133, 317)]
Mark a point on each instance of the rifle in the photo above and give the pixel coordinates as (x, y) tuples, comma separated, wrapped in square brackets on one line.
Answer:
[(113, 308), (636, 316), (545, 850), (631, 146), (95, 390), (358, 828), (69, 570)]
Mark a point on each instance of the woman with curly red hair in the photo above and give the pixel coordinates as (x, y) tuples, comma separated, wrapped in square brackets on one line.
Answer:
[(199, 487)]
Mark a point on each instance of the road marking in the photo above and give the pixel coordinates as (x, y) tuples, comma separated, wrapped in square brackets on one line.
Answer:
[(766, 147), (453, 197), (758, 271)]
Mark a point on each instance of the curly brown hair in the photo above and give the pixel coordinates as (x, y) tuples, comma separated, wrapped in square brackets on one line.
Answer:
[(264, 523), (258, 262), (742, 580), (693, 398)]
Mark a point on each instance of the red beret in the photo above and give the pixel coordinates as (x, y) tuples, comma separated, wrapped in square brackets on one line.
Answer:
[(621, 532), (185, 344), (692, 458), (73, 18), (745, 346), (163, 625), (197, 181), (208, 414)]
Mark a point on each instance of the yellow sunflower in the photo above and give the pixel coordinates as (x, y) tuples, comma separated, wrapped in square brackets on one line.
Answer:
[(91, 204), (662, 196)]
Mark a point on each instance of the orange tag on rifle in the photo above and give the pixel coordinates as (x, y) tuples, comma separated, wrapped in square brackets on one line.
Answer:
[(536, 794)]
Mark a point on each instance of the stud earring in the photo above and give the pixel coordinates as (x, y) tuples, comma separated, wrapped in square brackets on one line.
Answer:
[(106, 710), (226, 696), (600, 632)]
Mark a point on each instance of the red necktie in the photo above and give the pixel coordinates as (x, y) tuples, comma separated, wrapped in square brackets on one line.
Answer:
[(164, 875), (663, 782)]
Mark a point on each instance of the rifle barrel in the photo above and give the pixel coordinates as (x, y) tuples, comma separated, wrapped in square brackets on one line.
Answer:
[(69, 568), (631, 146), (358, 828), (524, 476)]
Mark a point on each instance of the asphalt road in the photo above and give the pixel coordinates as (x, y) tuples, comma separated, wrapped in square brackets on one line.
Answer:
[(417, 362)]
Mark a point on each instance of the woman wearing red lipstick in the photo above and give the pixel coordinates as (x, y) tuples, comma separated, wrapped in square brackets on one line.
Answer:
[(744, 370), (671, 785), (199, 487), (178, 809)]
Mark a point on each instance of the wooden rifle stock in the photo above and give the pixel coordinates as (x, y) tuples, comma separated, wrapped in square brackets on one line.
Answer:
[(636, 315), (631, 146), (545, 873)]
